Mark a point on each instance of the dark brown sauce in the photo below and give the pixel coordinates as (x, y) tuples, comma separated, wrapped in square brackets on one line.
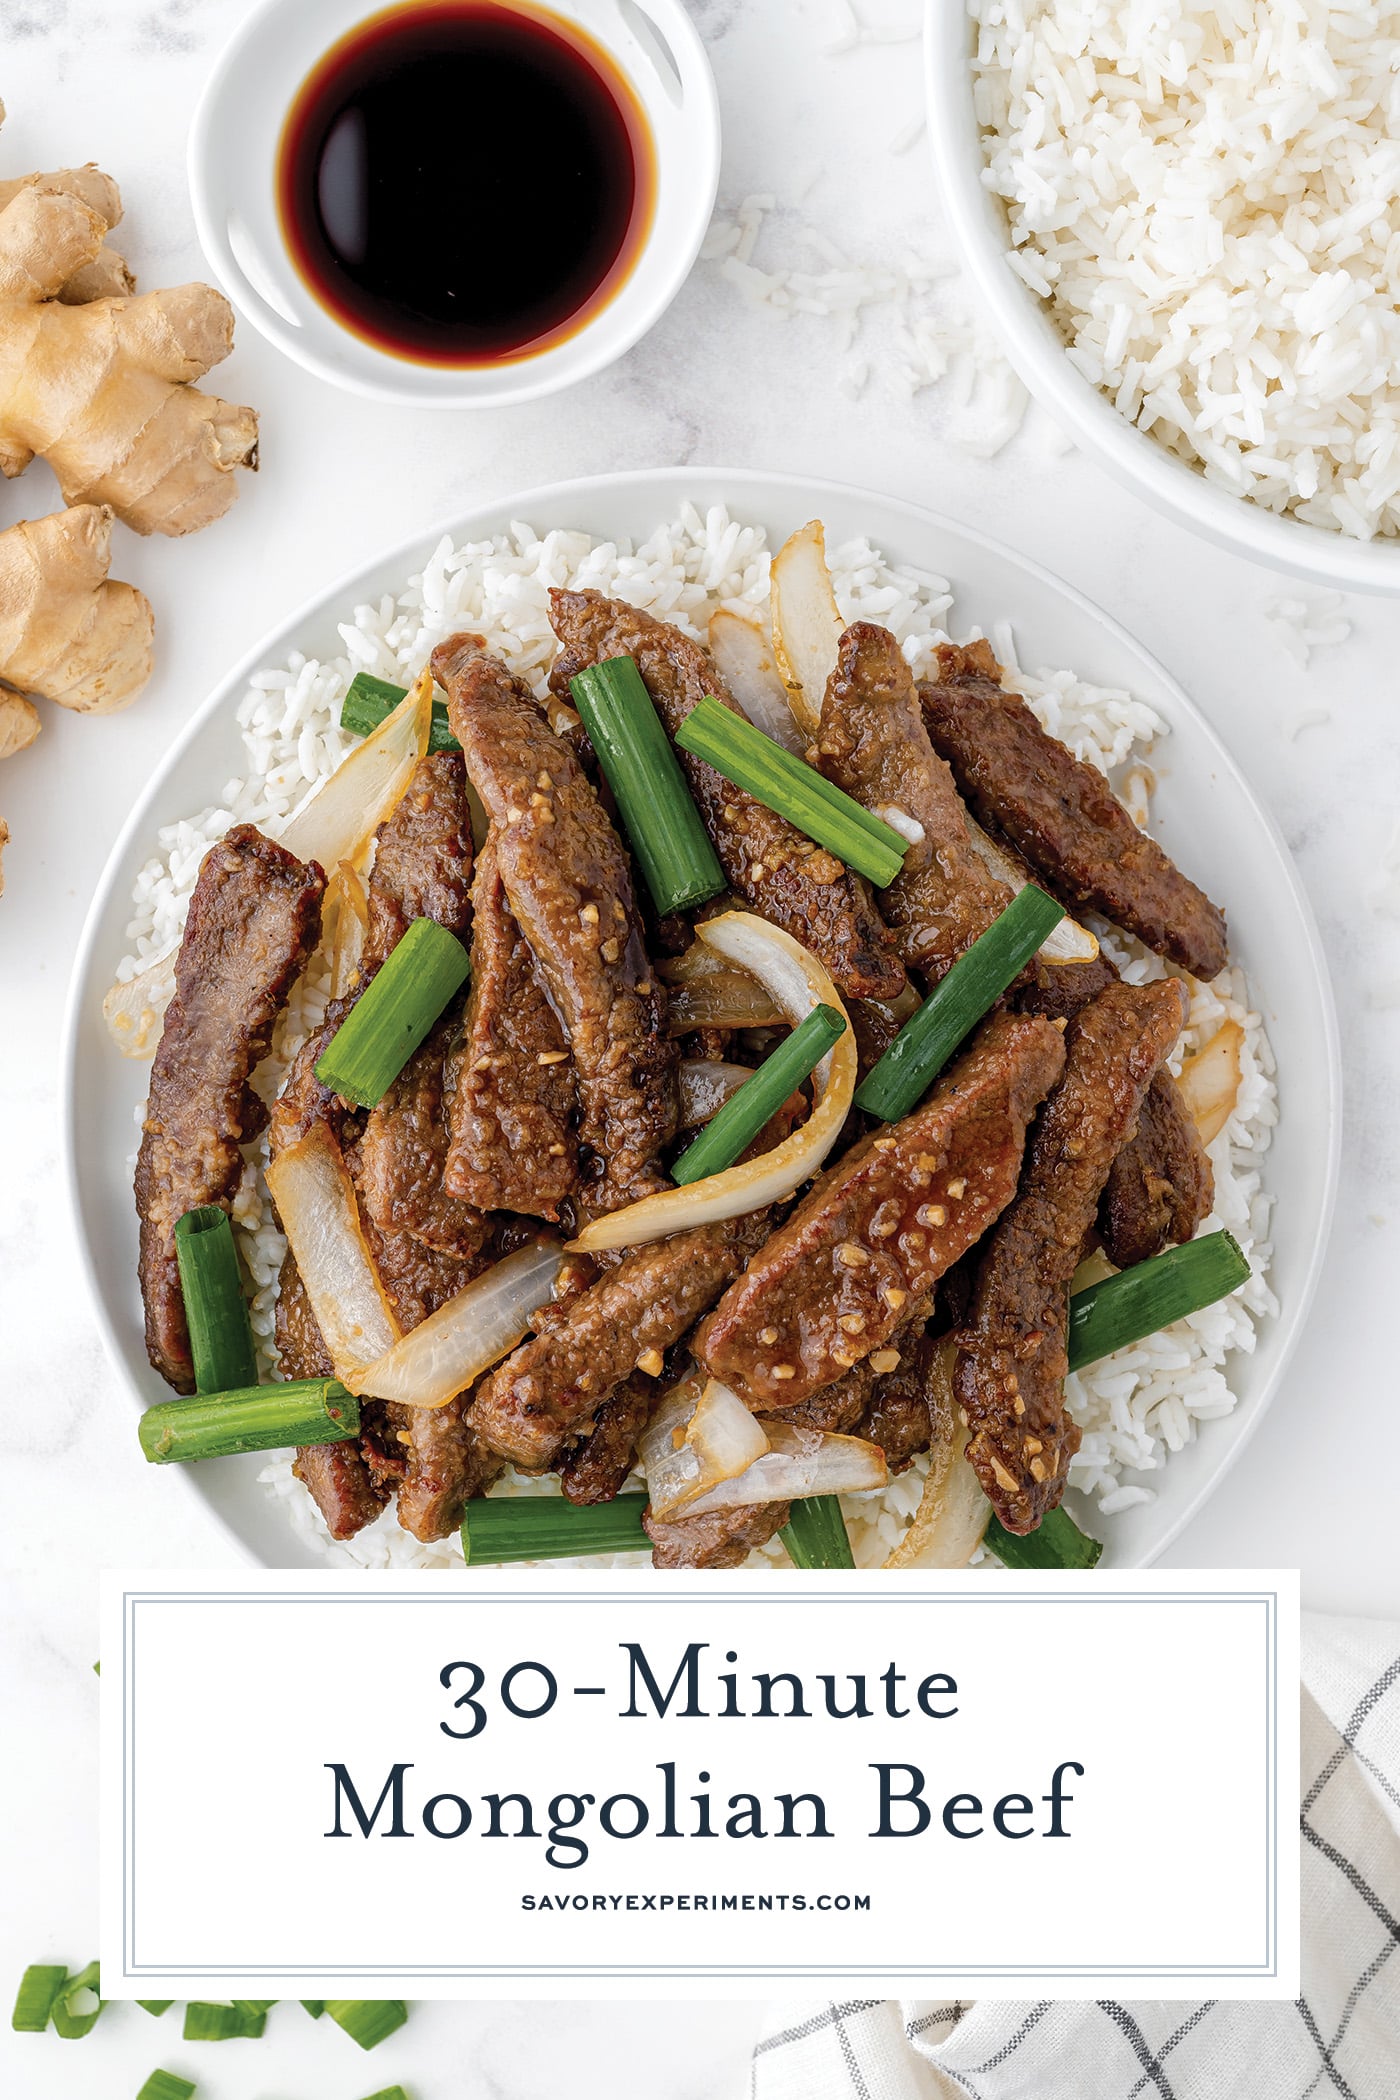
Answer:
[(465, 182)]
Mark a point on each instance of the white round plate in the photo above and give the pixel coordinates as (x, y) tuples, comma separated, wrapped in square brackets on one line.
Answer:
[(1206, 814)]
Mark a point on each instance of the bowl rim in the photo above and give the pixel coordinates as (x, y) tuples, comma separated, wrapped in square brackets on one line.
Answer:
[(1037, 355), (756, 486), (403, 382)]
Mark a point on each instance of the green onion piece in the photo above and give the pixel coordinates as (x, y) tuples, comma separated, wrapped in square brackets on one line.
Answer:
[(973, 985), (40, 1989), (546, 1527), (390, 2092), (222, 2023), (732, 1129), (258, 1418), (221, 1333), (385, 1026), (254, 2008), (797, 791), (369, 700), (155, 2006), (72, 2026), (1057, 1542), (815, 1534), (1141, 1300), (97, 1672), (634, 751), (164, 2085), (315, 2006), (368, 2021)]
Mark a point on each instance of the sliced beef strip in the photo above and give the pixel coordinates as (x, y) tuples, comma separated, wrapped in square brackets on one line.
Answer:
[(569, 885), (877, 1231), (403, 1155), (336, 1475), (1162, 1185), (772, 866), (1062, 814), (423, 856), (581, 1352), (253, 920), (594, 1469), (515, 1100), (723, 1538), (871, 742), (901, 1417), (1012, 1357)]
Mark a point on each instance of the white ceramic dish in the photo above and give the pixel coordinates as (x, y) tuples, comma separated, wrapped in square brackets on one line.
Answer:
[(233, 156), (1036, 349), (1207, 813)]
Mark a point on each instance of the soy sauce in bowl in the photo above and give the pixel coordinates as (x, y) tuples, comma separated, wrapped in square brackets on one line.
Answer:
[(465, 182)]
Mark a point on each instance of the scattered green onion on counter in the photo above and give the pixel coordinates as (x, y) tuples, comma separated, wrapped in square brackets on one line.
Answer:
[(40, 1988), (546, 1527), (368, 2021), (956, 1004), (256, 1418), (155, 2006), (370, 701), (815, 1534), (1057, 1542), (71, 2025), (386, 1025), (222, 2023), (390, 2092), (1140, 1301), (315, 2006), (216, 1311), (733, 1127), (164, 2085), (635, 753), (797, 791)]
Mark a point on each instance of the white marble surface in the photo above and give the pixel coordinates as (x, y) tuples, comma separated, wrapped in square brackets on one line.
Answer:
[(717, 382)]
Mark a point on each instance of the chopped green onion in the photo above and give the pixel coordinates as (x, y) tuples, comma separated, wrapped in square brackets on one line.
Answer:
[(546, 1527), (164, 2085), (221, 1333), (254, 2008), (797, 791), (40, 1989), (257, 1418), (72, 2026), (1149, 1296), (815, 1534), (370, 701), (155, 2006), (385, 1026), (315, 2006), (634, 751), (955, 1005), (1057, 1542), (390, 2092), (732, 1129), (222, 2023), (368, 2021)]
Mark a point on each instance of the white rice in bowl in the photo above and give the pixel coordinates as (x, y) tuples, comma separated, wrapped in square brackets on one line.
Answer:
[(1135, 1408)]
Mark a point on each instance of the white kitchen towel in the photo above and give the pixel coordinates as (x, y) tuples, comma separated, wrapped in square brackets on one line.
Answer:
[(1341, 2038)]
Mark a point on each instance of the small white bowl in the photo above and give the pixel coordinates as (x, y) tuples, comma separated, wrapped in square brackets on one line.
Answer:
[(233, 152), (1037, 351)]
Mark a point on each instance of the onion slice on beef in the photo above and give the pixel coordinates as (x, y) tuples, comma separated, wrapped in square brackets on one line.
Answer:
[(345, 812), (797, 983), (1210, 1081), (1068, 942), (449, 1350), (807, 623), (135, 1011), (953, 1512), (694, 1442), (344, 919), (315, 1198), (704, 1085), (798, 1462), (745, 661), (704, 991)]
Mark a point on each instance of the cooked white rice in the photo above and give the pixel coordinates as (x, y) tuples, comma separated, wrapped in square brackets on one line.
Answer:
[(1207, 194), (1135, 1408)]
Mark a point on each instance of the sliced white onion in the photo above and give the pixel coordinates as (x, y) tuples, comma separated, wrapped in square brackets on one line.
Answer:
[(315, 1200), (693, 1444), (704, 1085), (451, 1348), (704, 991), (343, 815), (953, 1511), (1069, 942), (798, 983), (807, 623), (745, 661), (344, 918), (798, 1462), (1210, 1081), (135, 1011)]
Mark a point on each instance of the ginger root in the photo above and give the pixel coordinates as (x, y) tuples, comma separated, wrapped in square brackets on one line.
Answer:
[(67, 633)]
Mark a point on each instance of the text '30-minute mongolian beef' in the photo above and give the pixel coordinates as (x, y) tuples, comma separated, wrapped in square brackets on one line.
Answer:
[(730, 1115)]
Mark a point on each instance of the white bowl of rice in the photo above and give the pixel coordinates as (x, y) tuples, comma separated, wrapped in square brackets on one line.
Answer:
[(1186, 221)]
